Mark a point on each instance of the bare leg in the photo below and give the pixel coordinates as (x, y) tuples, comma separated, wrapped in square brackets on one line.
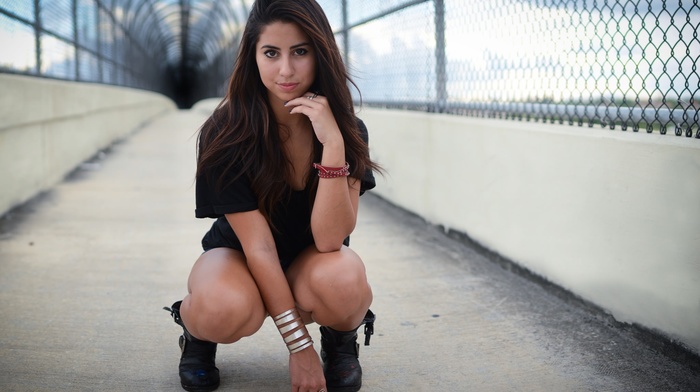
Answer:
[(223, 304), (331, 288)]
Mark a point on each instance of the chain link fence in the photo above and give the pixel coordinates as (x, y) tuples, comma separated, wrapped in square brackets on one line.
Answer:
[(76, 40), (630, 65)]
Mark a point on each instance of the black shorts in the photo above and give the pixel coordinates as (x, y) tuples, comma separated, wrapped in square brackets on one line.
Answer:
[(285, 262)]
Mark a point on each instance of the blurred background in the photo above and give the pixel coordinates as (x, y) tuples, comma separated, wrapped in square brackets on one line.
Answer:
[(619, 64)]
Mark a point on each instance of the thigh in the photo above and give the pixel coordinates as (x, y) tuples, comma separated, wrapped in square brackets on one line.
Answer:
[(220, 268), (224, 303)]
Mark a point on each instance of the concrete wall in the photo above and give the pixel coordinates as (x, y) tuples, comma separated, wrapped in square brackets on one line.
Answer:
[(612, 216), (48, 127)]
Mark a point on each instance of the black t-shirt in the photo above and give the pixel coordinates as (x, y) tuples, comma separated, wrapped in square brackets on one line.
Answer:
[(291, 218)]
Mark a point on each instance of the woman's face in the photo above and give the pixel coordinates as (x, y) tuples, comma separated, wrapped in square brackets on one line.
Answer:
[(286, 61)]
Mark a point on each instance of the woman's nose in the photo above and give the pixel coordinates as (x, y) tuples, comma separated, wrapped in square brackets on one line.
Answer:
[(286, 68)]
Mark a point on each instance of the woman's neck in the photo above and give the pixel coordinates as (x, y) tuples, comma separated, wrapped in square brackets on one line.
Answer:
[(284, 118), (291, 126)]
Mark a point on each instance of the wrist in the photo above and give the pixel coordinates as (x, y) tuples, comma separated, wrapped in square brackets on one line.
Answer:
[(332, 171), (305, 350), (333, 154), (334, 144), (293, 331)]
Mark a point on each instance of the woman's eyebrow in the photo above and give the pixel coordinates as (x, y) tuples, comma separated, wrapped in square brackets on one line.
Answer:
[(291, 47), (299, 45)]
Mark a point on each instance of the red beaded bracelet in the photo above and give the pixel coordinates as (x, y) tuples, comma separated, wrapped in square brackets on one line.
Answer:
[(332, 172)]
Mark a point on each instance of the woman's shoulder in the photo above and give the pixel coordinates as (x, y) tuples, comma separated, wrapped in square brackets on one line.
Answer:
[(362, 128)]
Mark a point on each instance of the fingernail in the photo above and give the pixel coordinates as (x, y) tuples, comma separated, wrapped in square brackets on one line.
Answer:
[(285, 103)]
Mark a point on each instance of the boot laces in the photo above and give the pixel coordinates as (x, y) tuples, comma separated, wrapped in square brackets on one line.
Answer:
[(368, 321), (175, 313)]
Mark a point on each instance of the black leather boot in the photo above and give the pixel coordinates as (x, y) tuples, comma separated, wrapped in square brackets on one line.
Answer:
[(198, 373), (340, 352)]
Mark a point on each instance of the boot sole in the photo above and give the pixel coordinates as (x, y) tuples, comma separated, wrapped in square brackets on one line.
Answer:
[(195, 388), (344, 389)]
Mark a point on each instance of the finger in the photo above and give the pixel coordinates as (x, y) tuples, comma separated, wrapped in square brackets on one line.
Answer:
[(305, 106), (300, 109), (299, 102), (308, 96), (311, 95), (315, 97)]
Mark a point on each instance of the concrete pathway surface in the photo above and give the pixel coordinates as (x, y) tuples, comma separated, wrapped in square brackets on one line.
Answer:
[(86, 268)]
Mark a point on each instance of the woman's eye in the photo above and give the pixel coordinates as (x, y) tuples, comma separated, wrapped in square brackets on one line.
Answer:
[(270, 53), (300, 51)]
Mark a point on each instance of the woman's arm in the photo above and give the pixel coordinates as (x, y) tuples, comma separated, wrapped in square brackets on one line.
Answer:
[(335, 208), (255, 235), (334, 213)]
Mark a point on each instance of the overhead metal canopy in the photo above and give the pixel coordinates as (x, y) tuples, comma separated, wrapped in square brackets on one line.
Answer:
[(182, 27), (185, 37), (182, 48)]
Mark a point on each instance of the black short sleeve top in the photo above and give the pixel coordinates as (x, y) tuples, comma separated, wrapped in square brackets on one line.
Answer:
[(292, 218)]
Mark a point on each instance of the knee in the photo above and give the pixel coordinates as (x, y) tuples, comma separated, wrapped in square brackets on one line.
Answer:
[(343, 279), (341, 293), (223, 317)]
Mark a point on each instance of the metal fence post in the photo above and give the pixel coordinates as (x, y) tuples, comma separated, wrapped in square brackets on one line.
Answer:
[(76, 37), (440, 60), (37, 35), (114, 45), (98, 44), (346, 35)]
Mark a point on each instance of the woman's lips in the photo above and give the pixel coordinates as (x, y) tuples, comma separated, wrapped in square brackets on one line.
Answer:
[(287, 87)]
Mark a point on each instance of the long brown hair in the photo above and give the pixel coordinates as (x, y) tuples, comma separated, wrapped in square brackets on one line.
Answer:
[(243, 133)]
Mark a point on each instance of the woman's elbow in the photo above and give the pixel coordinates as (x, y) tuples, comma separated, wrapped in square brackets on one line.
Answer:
[(327, 243), (331, 240), (327, 246)]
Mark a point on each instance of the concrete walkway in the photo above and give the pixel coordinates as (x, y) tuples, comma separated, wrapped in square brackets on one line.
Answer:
[(86, 268)]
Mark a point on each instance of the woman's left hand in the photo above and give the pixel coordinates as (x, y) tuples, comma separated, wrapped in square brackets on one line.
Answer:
[(316, 108)]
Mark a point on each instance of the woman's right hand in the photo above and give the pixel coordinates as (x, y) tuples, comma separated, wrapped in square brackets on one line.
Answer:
[(306, 372)]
